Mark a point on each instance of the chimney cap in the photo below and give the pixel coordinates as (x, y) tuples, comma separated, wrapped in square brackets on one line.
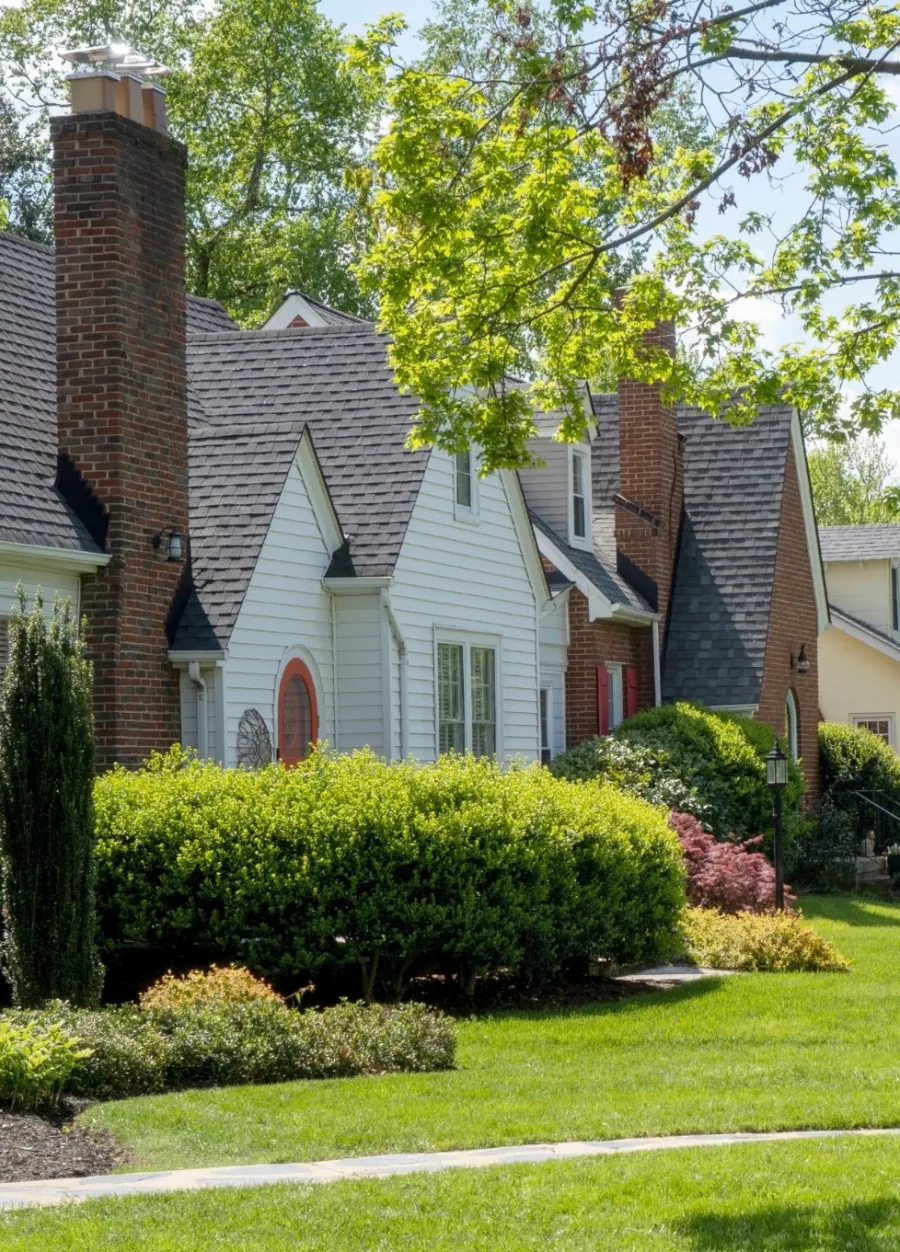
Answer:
[(115, 58)]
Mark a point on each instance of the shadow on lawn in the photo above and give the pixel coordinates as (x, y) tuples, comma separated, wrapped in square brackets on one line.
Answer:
[(630, 1004), (851, 912), (859, 1226)]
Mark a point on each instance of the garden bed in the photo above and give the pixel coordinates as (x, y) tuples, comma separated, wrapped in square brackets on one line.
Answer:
[(52, 1145)]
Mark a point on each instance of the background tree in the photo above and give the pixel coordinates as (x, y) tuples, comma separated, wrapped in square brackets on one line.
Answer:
[(850, 482), (504, 199), (46, 811), (271, 111)]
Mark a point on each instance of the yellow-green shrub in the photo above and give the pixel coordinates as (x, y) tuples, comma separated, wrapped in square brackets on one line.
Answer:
[(349, 861), (230, 983), (771, 942)]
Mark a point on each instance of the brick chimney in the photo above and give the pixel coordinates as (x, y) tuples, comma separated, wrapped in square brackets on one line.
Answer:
[(651, 477), (122, 387)]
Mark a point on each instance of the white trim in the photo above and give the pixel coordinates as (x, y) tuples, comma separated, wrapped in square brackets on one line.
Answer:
[(856, 719), (616, 689), (545, 690), (184, 656), (25, 553), (585, 542), (317, 490), (823, 618), (859, 632), (657, 667), (294, 305), (744, 710), (528, 539), (355, 586), (793, 724), (403, 664), (469, 640), (468, 513), (598, 605)]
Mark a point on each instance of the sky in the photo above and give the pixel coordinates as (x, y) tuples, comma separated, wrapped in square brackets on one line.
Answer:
[(355, 14)]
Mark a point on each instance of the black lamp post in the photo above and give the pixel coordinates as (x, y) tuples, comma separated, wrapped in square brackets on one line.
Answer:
[(776, 777)]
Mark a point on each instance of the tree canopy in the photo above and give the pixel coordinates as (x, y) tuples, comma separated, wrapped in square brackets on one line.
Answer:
[(851, 483), (512, 191), (271, 111)]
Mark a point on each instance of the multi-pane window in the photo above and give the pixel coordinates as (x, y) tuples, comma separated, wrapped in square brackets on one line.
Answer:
[(882, 726), (467, 698), (546, 750), (464, 480), (616, 710), (4, 643), (484, 716), (451, 698), (579, 497)]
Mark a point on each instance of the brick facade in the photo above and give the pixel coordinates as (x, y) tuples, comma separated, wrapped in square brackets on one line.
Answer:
[(601, 643), (651, 475), (793, 623), (122, 404)]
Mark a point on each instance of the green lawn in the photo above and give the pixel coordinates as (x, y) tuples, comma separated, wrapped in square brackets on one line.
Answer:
[(755, 1052), (839, 1196)]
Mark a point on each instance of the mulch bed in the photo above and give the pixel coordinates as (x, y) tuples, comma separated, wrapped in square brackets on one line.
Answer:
[(48, 1145), (502, 994)]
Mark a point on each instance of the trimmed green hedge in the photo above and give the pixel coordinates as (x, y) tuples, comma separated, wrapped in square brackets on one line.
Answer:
[(388, 868), (721, 757), (853, 759)]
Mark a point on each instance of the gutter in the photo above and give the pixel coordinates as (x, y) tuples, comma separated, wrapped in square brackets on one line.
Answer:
[(63, 556), (404, 676), (202, 724)]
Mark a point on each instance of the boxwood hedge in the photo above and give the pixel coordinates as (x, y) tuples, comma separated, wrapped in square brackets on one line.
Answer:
[(390, 868)]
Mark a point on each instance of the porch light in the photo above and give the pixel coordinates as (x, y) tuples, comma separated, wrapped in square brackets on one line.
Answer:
[(174, 544), (776, 778), (800, 662)]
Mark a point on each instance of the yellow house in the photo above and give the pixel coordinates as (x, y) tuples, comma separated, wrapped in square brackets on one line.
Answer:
[(859, 658)]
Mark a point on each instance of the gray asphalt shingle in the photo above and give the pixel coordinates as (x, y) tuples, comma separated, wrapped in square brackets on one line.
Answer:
[(607, 581), (873, 542)]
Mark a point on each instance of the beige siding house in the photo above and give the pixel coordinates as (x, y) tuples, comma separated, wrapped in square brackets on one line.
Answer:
[(859, 659)]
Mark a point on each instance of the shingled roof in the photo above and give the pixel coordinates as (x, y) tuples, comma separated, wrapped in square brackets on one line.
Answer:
[(860, 543), (607, 581), (719, 611), (31, 509)]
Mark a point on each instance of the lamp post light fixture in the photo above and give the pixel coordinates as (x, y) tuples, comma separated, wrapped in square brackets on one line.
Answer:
[(776, 778)]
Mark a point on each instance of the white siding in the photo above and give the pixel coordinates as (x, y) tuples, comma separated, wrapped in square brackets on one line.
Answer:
[(469, 577), (554, 653), (360, 691), (285, 609), (863, 589), (547, 489), (52, 581), (189, 708)]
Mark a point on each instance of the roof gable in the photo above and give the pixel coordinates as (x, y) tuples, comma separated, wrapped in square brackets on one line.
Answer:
[(875, 542)]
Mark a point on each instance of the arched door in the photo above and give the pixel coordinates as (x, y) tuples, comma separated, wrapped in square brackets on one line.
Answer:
[(298, 714)]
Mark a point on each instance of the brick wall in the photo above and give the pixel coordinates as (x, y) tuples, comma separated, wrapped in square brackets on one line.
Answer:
[(598, 643), (122, 403), (651, 475), (793, 623)]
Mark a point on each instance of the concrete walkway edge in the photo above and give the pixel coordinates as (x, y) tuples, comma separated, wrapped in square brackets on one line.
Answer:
[(14, 1195)]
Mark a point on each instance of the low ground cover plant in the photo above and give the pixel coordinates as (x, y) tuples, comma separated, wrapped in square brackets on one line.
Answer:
[(730, 877), (131, 1050), (37, 1060), (766, 942), (348, 863)]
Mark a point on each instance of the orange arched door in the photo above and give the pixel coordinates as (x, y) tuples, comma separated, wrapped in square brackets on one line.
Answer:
[(298, 713)]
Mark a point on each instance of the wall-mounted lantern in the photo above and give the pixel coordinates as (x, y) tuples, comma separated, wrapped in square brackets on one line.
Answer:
[(800, 662), (173, 544)]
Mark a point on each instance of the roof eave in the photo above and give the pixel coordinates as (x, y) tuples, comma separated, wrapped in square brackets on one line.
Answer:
[(79, 560)]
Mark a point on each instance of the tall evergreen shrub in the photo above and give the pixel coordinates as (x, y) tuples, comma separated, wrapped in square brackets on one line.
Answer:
[(46, 811)]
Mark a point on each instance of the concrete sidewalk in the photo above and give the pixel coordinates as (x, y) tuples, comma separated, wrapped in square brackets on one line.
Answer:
[(15, 1195)]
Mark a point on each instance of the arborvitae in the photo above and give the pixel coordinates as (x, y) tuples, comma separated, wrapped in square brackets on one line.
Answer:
[(46, 811)]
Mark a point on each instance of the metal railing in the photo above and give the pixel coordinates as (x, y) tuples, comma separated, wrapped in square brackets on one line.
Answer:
[(875, 817)]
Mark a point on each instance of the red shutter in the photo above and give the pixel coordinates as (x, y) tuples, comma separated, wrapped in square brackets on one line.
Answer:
[(603, 699), (631, 691)]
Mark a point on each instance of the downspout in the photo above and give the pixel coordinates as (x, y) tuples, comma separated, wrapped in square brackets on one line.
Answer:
[(404, 673), (334, 673), (202, 726), (657, 676)]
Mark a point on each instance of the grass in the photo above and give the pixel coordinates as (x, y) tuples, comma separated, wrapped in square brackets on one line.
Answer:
[(834, 1196), (757, 1052)]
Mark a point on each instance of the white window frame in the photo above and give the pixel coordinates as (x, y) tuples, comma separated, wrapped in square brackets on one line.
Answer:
[(4, 642), (583, 451), (466, 512), (616, 693), (470, 640), (545, 697), (793, 724), (895, 597), (859, 719)]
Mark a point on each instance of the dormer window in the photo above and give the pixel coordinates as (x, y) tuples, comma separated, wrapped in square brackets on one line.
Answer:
[(579, 496)]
